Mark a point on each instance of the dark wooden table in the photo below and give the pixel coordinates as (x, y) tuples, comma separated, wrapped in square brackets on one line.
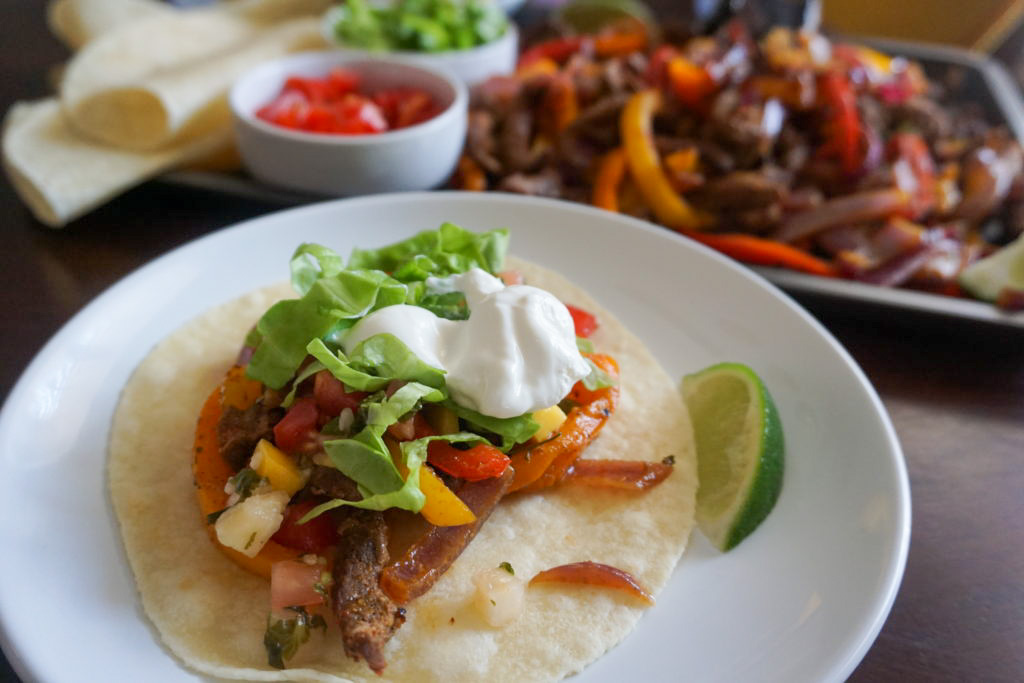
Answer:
[(955, 393)]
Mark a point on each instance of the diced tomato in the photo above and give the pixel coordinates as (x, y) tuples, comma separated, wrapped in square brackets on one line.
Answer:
[(289, 110), (293, 584), (334, 105), (314, 90), (331, 397), (479, 462), (295, 427), (343, 81), (585, 323), (315, 536)]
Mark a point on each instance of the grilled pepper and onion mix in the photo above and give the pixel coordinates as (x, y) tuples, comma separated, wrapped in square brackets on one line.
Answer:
[(379, 405), (789, 150)]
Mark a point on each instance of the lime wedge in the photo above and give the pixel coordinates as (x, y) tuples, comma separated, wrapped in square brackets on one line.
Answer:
[(740, 451), (1003, 269)]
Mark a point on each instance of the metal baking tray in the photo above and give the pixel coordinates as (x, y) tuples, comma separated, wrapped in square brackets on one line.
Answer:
[(985, 82)]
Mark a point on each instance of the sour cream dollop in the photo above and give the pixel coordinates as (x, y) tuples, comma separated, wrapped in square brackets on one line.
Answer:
[(515, 354)]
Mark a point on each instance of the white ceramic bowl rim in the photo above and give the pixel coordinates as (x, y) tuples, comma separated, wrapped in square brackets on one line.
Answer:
[(327, 29), (330, 58)]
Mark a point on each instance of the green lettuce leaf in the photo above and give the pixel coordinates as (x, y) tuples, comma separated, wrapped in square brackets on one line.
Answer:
[(511, 430), (450, 305), (446, 251), (329, 303), (375, 362), (305, 272)]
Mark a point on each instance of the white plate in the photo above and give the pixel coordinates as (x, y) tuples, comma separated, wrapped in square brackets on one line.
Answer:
[(800, 600)]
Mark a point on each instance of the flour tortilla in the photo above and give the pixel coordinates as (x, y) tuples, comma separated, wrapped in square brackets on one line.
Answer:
[(212, 614), (61, 175), (164, 79), (76, 22)]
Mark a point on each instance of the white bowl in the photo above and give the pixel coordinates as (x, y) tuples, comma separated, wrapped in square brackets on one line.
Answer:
[(419, 157), (473, 65)]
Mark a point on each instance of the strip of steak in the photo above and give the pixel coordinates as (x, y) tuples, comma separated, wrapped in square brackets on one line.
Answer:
[(429, 558), (327, 481), (366, 615), (239, 431)]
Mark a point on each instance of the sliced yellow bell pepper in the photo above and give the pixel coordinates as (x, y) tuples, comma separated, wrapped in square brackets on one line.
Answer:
[(635, 126), (277, 467), (549, 419), (443, 507)]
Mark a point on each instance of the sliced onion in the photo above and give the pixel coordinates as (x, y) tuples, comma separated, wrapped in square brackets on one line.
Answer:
[(854, 208), (595, 574), (631, 475)]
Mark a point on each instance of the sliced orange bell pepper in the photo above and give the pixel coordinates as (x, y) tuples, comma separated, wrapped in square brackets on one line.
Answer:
[(469, 176), (690, 82), (644, 165), (763, 252), (610, 172), (238, 391), (542, 66), (619, 44), (561, 104), (211, 473), (546, 464)]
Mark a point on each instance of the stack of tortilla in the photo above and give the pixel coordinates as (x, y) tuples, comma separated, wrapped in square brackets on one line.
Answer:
[(145, 92)]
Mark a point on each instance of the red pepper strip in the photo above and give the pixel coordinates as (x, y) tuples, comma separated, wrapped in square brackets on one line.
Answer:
[(762, 252), (479, 462), (595, 574), (610, 172), (845, 133), (630, 475), (557, 50), (429, 557)]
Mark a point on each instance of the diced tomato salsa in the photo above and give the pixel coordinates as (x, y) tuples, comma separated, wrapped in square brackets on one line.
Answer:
[(338, 104)]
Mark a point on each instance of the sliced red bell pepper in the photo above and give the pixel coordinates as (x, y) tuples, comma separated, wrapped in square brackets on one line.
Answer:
[(479, 462), (844, 134), (558, 50)]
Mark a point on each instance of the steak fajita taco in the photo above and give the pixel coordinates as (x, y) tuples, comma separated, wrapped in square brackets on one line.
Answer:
[(366, 489)]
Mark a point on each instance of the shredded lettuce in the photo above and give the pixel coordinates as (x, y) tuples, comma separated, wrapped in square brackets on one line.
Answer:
[(446, 251), (511, 430), (375, 362)]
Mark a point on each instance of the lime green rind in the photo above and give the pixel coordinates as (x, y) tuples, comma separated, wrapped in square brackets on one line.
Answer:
[(755, 498), (766, 485)]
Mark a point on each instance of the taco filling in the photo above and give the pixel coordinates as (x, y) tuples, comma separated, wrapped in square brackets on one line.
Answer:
[(369, 429)]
